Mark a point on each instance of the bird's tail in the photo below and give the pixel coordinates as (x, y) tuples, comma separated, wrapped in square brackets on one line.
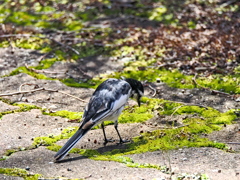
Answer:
[(70, 144)]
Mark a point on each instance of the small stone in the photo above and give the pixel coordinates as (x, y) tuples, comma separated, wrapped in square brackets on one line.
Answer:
[(68, 169), (19, 137), (219, 171), (190, 95)]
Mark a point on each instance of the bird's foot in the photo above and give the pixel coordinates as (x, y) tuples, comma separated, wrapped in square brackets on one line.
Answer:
[(107, 141), (123, 141)]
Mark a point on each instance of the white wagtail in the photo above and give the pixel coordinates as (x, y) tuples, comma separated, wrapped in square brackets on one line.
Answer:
[(106, 103)]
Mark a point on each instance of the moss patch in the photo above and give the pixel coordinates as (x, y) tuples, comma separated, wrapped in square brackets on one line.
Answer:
[(73, 83), (20, 173), (22, 108), (178, 80), (128, 162), (136, 114), (50, 139), (187, 135), (35, 42), (30, 73), (65, 114), (46, 63)]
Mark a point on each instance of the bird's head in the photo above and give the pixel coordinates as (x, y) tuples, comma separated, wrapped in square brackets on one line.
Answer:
[(137, 89)]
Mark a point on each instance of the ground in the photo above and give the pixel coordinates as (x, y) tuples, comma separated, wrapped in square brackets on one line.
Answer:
[(53, 54), (19, 130)]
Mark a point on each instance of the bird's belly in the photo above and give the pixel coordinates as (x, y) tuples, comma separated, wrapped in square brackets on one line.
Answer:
[(114, 115)]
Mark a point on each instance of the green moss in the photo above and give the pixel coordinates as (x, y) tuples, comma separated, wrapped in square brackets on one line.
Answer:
[(46, 63), (169, 139), (225, 118), (72, 83), (25, 107), (93, 83), (227, 83), (178, 80), (52, 20), (205, 121), (136, 114), (189, 135), (9, 152), (20, 173), (29, 72), (22, 108), (157, 13), (192, 176), (127, 161), (45, 141), (34, 42), (51, 139), (65, 114), (172, 78)]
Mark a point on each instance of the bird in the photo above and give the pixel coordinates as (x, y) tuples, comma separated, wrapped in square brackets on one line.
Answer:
[(106, 103)]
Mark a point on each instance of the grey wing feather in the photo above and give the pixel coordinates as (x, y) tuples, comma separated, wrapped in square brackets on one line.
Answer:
[(97, 109)]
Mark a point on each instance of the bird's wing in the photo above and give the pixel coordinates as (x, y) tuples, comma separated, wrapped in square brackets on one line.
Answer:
[(104, 103), (96, 110)]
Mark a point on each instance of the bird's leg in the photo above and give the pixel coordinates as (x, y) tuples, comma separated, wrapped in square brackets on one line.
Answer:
[(120, 138), (104, 134)]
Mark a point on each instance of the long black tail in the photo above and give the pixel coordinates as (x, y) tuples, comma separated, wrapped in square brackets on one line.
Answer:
[(70, 144)]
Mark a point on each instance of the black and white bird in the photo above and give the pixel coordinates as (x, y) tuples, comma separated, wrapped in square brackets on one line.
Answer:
[(106, 103)]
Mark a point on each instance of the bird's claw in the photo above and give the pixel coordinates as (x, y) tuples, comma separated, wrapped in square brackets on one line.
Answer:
[(107, 141), (123, 141)]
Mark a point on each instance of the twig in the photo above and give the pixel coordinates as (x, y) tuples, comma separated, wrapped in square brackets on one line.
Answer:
[(20, 89), (43, 71), (213, 91), (40, 89), (71, 96), (22, 92), (237, 143), (187, 104), (64, 45), (30, 35), (184, 125), (43, 56), (227, 3), (195, 82), (18, 35), (29, 84), (84, 73), (176, 111), (152, 88)]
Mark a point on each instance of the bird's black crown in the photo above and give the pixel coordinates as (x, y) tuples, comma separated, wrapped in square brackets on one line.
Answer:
[(137, 86)]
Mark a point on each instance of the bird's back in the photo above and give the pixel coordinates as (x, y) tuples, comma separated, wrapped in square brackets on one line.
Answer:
[(107, 101)]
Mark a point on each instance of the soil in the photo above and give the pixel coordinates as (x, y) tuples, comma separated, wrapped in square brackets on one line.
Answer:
[(19, 129)]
